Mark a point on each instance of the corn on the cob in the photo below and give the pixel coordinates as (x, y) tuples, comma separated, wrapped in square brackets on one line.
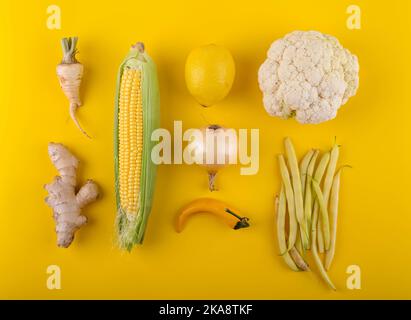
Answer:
[(136, 116)]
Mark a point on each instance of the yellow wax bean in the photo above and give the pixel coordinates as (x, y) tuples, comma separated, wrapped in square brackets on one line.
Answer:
[(319, 173), (296, 184), (303, 170), (280, 205), (335, 189), (292, 236), (314, 251), (308, 194), (325, 223)]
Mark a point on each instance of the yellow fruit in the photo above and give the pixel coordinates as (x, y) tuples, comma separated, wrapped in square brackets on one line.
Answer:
[(209, 74)]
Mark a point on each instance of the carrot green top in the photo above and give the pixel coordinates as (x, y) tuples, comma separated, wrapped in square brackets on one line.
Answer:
[(69, 50)]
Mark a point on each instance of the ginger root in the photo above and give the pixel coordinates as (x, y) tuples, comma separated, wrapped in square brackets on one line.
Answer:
[(63, 199)]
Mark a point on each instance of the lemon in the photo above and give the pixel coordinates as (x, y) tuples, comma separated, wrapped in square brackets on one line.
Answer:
[(209, 73)]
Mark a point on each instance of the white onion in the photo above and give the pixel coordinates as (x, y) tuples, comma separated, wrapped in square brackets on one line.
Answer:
[(217, 149)]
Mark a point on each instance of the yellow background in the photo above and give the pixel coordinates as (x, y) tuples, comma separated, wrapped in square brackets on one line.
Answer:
[(207, 260)]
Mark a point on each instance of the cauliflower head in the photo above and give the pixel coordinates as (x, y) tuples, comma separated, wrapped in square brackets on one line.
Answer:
[(307, 75)]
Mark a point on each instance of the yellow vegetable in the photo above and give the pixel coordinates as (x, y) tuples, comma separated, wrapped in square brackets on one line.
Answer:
[(318, 176), (137, 116), (230, 215), (335, 189), (308, 207), (325, 222), (293, 225), (305, 163), (131, 139), (209, 74), (299, 260), (280, 206), (314, 250), (301, 189), (296, 184)]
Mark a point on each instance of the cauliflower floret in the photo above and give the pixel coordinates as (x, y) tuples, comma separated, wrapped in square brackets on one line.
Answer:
[(307, 75)]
